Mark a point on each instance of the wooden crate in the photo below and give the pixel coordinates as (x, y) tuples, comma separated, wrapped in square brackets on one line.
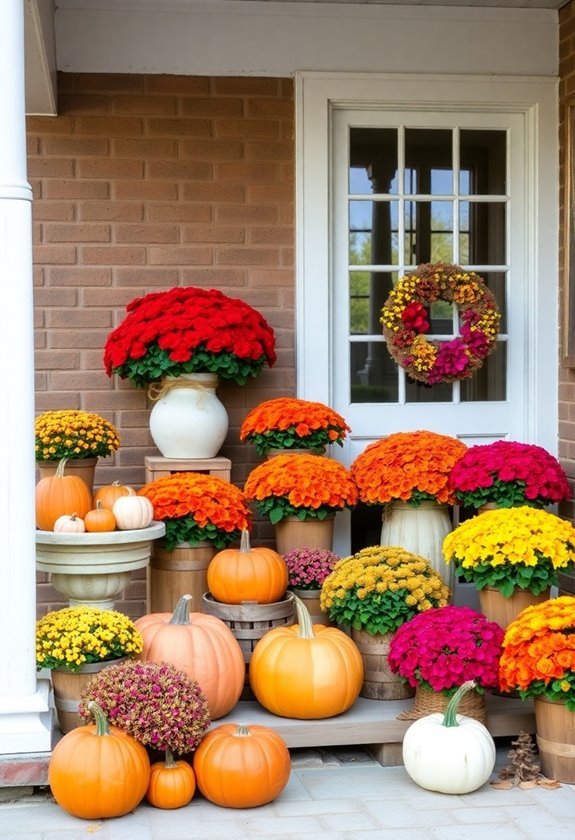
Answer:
[(156, 466)]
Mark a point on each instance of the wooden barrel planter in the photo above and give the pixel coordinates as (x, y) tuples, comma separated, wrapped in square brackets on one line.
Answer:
[(177, 572), (555, 733), (68, 686), (310, 597), (379, 681), (249, 621)]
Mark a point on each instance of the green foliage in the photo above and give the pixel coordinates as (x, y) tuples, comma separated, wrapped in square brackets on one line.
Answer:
[(185, 530), (156, 364), (508, 577)]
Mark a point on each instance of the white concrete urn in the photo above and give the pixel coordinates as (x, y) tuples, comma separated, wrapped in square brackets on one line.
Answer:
[(95, 568)]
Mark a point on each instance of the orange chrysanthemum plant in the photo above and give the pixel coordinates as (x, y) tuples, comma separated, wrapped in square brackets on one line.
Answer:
[(306, 486), (538, 658), (288, 423), (197, 507), (410, 467)]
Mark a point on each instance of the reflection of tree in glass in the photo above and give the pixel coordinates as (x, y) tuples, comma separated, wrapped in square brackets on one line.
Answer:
[(359, 281)]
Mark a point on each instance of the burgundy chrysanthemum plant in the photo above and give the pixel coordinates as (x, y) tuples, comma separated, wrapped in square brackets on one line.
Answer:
[(443, 647), (508, 474)]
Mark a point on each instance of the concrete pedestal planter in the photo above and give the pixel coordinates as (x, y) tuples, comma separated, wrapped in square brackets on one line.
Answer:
[(95, 568)]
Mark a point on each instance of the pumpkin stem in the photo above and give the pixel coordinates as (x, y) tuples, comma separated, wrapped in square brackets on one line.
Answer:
[(169, 759), (303, 620), (450, 717), (182, 612), (60, 468), (242, 730), (100, 719), (245, 542)]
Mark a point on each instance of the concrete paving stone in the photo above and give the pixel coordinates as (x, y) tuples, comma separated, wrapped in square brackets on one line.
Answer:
[(502, 831), (260, 821), (390, 834), (361, 821), (284, 807), (404, 814), (356, 782)]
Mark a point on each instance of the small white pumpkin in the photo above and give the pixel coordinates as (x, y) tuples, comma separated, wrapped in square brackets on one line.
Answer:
[(69, 523), (449, 753), (133, 512)]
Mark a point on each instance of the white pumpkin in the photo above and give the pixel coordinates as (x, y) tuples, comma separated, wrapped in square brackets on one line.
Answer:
[(449, 753), (69, 523), (133, 512)]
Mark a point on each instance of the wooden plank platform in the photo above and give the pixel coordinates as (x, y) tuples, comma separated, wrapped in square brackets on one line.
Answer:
[(374, 723)]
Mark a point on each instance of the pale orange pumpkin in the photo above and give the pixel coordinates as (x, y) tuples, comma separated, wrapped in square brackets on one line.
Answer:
[(61, 494), (304, 671), (239, 766), (100, 519), (108, 493), (247, 574), (202, 646)]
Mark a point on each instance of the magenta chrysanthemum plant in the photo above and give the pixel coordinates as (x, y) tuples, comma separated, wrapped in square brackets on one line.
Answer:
[(157, 704), (441, 648), (309, 567), (508, 474)]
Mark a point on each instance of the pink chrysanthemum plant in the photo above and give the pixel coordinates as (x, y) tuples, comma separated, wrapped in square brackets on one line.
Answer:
[(155, 703), (309, 567), (442, 648), (508, 474)]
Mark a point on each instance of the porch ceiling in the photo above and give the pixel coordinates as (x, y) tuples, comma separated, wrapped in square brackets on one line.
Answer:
[(498, 4)]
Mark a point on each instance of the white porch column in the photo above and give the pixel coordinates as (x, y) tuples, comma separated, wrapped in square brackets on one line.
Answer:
[(25, 719)]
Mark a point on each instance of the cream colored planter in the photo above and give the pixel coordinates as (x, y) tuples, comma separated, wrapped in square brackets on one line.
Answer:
[(95, 568)]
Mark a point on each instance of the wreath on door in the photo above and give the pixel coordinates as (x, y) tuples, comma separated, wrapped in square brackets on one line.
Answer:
[(406, 322)]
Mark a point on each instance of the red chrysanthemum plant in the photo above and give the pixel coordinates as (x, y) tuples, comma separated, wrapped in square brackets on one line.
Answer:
[(189, 330)]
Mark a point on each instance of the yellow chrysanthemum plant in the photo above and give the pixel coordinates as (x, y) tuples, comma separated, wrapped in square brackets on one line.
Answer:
[(72, 434), (512, 548), (75, 636), (379, 588)]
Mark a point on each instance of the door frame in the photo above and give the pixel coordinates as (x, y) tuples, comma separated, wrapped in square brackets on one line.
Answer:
[(317, 95)]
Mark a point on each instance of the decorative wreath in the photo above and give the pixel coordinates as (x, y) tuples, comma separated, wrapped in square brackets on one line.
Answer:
[(406, 321)]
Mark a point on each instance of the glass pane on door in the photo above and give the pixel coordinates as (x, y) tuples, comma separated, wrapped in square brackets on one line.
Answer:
[(420, 195)]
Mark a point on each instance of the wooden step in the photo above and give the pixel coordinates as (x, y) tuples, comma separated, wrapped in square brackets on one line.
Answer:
[(374, 724)]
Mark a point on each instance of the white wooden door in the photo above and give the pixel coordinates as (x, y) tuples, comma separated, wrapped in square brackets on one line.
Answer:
[(409, 176)]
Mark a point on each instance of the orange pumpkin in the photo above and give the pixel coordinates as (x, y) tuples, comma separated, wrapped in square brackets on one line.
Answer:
[(108, 493), (100, 519), (247, 574), (98, 771), (172, 783), (202, 646), (304, 671), (61, 494), (240, 766)]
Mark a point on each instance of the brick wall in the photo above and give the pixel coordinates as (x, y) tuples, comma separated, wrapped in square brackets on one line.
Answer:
[(143, 183), (566, 375)]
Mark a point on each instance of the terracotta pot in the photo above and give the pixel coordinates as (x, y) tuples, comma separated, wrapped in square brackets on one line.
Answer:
[(84, 468), (496, 607)]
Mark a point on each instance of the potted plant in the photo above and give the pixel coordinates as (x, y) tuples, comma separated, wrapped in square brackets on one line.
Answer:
[(508, 474), (79, 436), (156, 703), (288, 423), (408, 473), (202, 513), (76, 642), (301, 490), (512, 555), (375, 591), (538, 661), (307, 570), (438, 650), (182, 342)]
